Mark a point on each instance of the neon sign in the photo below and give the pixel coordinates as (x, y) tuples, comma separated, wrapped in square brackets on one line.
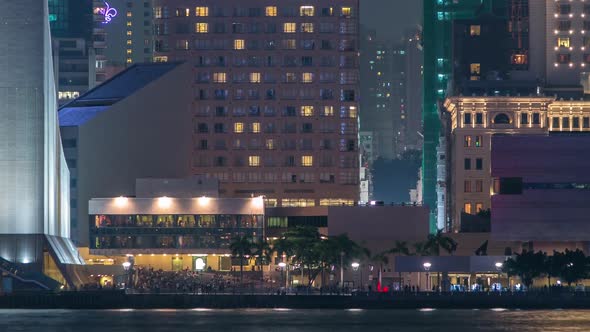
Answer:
[(108, 12)]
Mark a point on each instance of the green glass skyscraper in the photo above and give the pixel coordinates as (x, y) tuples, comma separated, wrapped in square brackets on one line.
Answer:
[(438, 81)]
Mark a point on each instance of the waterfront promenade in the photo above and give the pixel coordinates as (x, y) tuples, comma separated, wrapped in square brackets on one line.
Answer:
[(120, 300)]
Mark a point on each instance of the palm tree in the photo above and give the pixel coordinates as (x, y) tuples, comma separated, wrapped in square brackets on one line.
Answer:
[(437, 241), (241, 247), (421, 249), (401, 248), (263, 252)]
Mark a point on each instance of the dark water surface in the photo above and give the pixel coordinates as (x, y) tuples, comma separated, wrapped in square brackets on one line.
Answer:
[(293, 320)]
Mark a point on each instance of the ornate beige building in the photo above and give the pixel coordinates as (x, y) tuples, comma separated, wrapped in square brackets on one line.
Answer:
[(473, 121)]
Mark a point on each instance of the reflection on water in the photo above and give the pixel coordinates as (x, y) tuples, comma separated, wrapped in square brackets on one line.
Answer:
[(245, 320)]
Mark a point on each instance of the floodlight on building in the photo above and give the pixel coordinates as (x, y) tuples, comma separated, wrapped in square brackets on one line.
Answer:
[(355, 266), (204, 200), (258, 202), (121, 201), (164, 202), (126, 266), (499, 266), (427, 266)]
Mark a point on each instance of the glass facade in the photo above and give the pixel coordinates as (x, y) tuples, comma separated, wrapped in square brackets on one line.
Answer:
[(171, 231)]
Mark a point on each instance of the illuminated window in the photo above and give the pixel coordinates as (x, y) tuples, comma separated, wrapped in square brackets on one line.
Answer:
[(239, 44), (519, 59), (271, 11), (253, 161), (563, 42), (307, 77), (290, 77), (256, 127), (270, 144), (219, 77), (478, 207), (129, 51), (238, 127), (306, 11), (297, 202), (129, 23), (129, 14), (129, 60), (307, 27), (467, 141), (129, 33), (289, 44), (475, 30), (129, 42), (201, 27), (255, 77), (352, 113), (346, 11), (478, 141), (160, 59), (307, 161), (467, 208), (306, 110), (202, 11), (475, 69), (328, 111), (289, 27), (157, 12)]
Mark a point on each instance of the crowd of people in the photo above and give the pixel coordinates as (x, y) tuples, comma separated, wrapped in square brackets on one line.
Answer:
[(184, 281)]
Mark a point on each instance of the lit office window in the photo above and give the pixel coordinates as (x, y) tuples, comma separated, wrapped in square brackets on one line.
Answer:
[(467, 143), (129, 42), (256, 127), (467, 208), (306, 11), (271, 11), (129, 23), (201, 27), (563, 42), (202, 11), (346, 11), (289, 27), (129, 60), (478, 207), (307, 27), (253, 161), (238, 127), (307, 161), (307, 77), (219, 77), (239, 44), (129, 14), (270, 144), (129, 51), (160, 59), (328, 111), (306, 110), (475, 30), (255, 77)]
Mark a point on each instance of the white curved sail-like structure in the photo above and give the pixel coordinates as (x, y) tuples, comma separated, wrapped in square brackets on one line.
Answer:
[(34, 177)]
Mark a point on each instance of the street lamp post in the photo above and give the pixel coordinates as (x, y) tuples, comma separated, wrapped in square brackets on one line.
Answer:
[(427, 266), (499, 269), (342, 271), (355, 267), (283, 266), (127, 267)]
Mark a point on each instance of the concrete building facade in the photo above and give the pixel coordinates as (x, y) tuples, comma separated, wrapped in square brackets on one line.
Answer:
[(125, 130), (475, 120), (275, 95)]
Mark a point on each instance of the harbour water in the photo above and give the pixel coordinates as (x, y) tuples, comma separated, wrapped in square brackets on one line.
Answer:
[(283, 320)]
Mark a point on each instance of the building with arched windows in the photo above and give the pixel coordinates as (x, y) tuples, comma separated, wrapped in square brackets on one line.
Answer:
[(471, 123)]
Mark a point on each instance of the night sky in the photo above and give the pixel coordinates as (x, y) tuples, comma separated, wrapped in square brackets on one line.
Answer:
[(390, 17)]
